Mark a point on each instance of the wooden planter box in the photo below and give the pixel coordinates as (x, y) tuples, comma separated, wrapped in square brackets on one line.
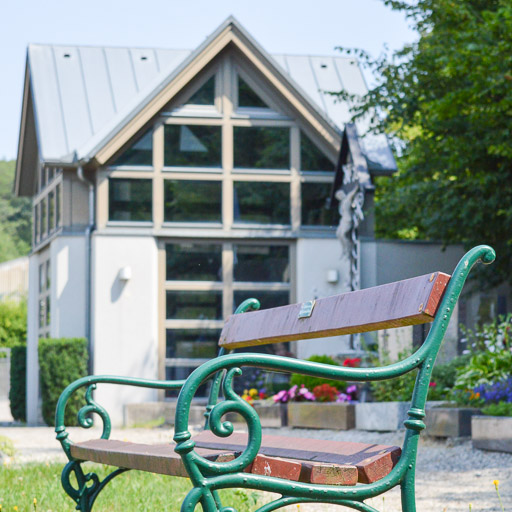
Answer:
[(492, 433), (335, 416), (450, 421)]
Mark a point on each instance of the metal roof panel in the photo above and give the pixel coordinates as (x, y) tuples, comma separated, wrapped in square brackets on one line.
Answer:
[(97, 85), (122, 76), (329, 81), (75, 105), (145, 66), (47, 104)]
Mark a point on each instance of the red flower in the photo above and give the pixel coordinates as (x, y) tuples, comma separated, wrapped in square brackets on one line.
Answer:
[(432, 385), (352, 362)]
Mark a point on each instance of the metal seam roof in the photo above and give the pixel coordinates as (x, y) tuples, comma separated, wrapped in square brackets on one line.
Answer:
[(106, 84)]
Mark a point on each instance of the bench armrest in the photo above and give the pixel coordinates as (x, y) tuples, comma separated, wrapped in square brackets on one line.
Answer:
[(93, 407)]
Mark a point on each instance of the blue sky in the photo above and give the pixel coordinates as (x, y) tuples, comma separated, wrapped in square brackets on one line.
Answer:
[(280, 26)]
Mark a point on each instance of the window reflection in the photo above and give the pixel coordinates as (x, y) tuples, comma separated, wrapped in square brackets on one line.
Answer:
[(262, 203), (192, 201), (192, 305), (247, 97), (261, 147), (311, 158), (192, 343), (261, 263), (314, 211), (205, 95), (130, 200), (194, 262), (141, 153), (192, 146)]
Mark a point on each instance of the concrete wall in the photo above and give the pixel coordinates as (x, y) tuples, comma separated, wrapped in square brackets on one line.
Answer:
[(384, 262), (315, 257), (125, 317), (32, 339)]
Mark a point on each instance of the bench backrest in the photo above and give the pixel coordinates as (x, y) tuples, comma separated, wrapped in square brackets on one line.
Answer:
[(408, 302)]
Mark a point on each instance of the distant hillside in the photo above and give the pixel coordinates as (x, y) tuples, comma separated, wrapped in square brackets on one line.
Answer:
[(15, 217)]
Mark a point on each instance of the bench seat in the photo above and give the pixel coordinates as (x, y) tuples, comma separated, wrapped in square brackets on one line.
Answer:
[(319, 461)]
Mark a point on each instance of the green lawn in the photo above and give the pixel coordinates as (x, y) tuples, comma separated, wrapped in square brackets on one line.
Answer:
[(131, 491)]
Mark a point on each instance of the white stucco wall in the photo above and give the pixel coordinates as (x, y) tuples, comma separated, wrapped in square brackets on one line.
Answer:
[(315, 257), (124, 317), (68, 282)]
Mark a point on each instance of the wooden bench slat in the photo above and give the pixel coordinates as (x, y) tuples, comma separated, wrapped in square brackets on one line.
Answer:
[(162, 459), (372, 461), (409, 302)]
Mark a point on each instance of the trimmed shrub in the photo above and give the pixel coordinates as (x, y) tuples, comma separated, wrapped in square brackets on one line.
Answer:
[(312, 382), (18, 390), (13, 323), (61, 361)]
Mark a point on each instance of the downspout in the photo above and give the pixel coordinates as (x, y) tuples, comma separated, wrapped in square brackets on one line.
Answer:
[(88, 267)]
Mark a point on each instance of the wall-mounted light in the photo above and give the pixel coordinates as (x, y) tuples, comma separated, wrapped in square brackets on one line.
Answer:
[(125, 273), (333, 276)]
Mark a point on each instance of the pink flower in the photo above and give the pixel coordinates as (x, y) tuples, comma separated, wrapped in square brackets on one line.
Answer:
[(351, 389)]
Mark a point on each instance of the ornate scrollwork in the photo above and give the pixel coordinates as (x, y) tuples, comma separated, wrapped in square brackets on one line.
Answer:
[(84, 419), (233, 403), (88, 485)]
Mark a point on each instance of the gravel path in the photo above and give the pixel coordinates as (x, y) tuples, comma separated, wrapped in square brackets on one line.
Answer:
[(450, 474)]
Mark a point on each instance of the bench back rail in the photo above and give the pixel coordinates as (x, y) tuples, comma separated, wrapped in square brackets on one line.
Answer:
[(208, 476)]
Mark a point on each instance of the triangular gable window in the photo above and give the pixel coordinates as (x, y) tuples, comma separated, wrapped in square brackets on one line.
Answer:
[(141, 153), (205, 95), (247, 97), (311, 158)]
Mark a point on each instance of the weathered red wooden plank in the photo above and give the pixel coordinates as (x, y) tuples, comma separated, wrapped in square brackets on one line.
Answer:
[(157, 458), (328, 474), (409, 302), (161, 458), (372, 461)]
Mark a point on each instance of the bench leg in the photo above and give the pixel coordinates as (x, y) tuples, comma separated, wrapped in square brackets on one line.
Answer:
[(89, 485), (407, 488)]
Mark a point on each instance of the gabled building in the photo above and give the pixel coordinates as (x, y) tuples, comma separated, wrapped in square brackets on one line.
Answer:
[(170, 185)]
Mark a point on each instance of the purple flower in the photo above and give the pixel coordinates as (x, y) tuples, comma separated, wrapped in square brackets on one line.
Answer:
[(283, 396), (342, 397)]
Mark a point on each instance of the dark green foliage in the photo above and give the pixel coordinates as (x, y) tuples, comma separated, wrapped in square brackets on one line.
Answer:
[(391, 390), (13, 323), (499, 409), (17, 391), (61, 361), (15, 217), (446, 102), (312, 382), (443, 377)]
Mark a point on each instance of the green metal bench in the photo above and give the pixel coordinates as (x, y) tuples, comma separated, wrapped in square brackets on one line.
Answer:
[(299, 470)]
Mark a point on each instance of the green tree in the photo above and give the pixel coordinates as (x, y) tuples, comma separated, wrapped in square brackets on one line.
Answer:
[(15, 217), (446, 103)]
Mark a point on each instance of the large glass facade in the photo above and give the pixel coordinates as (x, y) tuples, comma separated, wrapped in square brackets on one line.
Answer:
[(225, 192)]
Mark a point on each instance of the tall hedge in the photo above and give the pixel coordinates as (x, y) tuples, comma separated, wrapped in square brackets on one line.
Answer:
[(17, 392), (13, 323), (61, 361)]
